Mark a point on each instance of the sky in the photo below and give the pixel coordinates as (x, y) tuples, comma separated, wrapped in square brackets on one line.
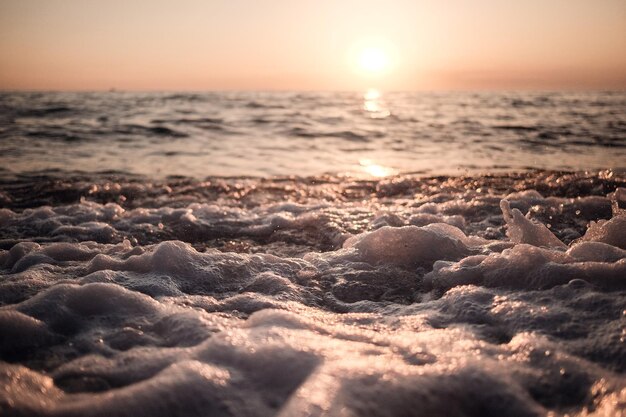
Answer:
[(312, 44)]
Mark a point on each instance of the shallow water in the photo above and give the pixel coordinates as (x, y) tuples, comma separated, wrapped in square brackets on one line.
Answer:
[(325, 295), (261, 134)]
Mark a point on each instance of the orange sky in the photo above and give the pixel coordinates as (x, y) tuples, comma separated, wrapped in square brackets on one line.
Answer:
[(309, 45)]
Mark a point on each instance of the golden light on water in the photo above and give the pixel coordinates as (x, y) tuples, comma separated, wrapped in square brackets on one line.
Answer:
[(374, 169), (372, 104), (371, 94)]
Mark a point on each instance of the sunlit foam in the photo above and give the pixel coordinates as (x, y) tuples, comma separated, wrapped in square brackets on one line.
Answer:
[(375, 170)]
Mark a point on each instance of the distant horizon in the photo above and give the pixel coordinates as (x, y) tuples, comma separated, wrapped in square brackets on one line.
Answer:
[(277, 90), (460, 85)]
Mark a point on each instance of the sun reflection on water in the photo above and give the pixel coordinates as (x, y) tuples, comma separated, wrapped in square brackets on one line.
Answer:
[(375, 170), (373, 105), (371, 94)]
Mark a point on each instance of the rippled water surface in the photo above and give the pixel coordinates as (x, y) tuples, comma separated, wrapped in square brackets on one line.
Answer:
[(228, 134), (314, 255)]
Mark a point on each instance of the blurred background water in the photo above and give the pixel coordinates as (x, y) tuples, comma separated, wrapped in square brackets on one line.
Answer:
[(290, 133)]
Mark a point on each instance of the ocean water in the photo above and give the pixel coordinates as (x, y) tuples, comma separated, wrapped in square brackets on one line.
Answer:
[(313, 254), (267, 134)]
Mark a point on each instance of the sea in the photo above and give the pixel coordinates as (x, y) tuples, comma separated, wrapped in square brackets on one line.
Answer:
[(313, 254), (308, 134)]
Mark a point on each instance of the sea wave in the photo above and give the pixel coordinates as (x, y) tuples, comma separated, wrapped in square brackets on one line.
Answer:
[(289, 133)]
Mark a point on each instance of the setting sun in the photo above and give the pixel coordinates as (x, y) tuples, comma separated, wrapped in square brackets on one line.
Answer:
[(373, 60), (373, 57)]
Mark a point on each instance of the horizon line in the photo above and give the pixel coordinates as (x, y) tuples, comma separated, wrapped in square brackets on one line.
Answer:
[(312, 90)]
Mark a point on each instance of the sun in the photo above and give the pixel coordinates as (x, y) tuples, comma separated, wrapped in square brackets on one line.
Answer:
[(373, 60), (373, 57)]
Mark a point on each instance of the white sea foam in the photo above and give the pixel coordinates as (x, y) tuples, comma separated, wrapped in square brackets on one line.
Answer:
[(456, 302)]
